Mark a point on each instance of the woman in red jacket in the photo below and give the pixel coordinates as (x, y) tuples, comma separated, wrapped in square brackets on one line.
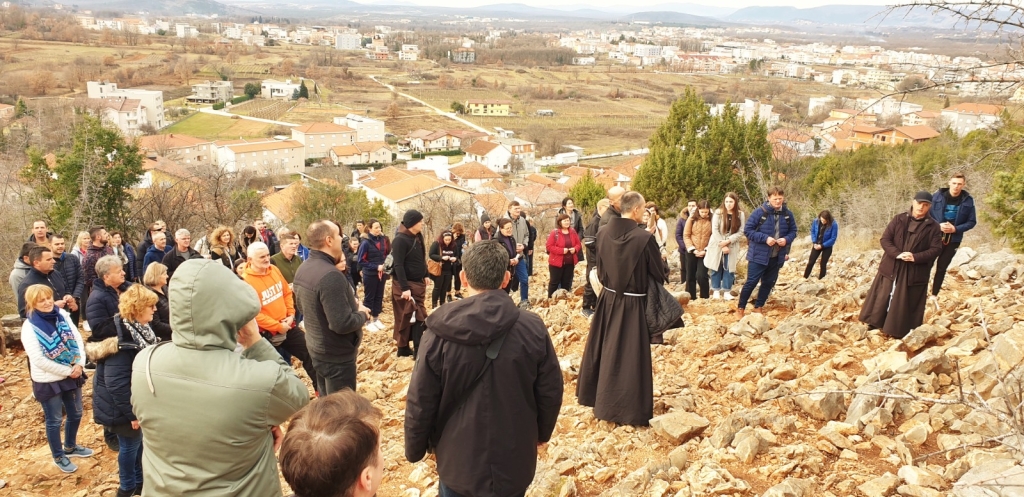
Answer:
[(564, 249)]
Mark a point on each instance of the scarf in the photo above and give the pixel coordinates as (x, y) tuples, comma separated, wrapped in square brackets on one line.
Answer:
[(141, 333), (55, 337)]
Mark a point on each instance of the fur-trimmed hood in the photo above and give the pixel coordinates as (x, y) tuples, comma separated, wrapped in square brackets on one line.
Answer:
[(98, 351)]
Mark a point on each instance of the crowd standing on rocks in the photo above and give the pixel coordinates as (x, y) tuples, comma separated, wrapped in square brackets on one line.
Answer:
[(797, 399)]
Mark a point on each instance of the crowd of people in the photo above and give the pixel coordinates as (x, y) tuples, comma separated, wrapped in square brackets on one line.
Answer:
[(215, 328)]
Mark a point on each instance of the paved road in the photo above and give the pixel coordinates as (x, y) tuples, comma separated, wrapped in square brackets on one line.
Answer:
[(209, 110), (450, 115)]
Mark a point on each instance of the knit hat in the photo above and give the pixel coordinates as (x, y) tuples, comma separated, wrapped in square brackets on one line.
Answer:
[(484, 218), (411, 218)]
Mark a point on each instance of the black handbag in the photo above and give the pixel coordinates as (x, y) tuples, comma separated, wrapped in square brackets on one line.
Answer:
[(662, 310)]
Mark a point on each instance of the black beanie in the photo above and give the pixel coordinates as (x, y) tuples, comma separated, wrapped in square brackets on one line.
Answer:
[(484, 218), (411, 217)]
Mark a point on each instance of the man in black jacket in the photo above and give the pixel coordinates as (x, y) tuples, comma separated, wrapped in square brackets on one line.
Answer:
[(70, 268), (485, 414), (181, 252), (42, 273), (409, 287), (333, 319)]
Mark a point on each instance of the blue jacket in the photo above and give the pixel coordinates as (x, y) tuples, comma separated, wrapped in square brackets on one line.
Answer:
[(830, 234), (153, 254), (759, 251), (112, 381), (101, 309), (966, 216), (129, 269), (369, 256), (71, 269)]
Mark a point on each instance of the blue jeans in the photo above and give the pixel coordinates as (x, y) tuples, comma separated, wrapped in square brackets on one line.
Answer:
[(523, 274), (722, 278), (767, 275), (129, 461), (444, 491), (71, 402)]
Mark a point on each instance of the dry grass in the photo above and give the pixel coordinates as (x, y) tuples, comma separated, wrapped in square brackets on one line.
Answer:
[(216, 127)]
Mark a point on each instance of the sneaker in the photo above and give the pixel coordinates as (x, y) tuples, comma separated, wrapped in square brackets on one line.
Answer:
[(524, 304), (728, 296), (372, 326), (587, 313), (380, 325), (65, 464), (717, 295), (78, 451), (458, 295)]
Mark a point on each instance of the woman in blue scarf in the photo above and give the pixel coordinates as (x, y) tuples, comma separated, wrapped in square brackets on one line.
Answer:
[(57, 360)]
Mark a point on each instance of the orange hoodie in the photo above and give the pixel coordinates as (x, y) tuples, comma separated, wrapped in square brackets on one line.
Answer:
[(275, 298)]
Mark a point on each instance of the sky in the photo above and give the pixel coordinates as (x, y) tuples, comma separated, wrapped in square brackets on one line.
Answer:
[(616, 5)]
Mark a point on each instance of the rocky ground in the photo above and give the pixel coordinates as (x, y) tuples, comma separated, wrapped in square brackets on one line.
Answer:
[(800, 401)]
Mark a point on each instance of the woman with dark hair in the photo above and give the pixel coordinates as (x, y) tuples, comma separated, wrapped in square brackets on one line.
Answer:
[(824, 232), (443, 250), (724, 246), (575, 218), (486, 230), (249, 235), (697, 235), (504, 237), (350, 250), (563, 248), (459, 232), (126, 253), (372, 251)]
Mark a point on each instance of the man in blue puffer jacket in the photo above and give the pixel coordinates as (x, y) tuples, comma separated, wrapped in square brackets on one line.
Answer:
[(770, 231), (953, 209)]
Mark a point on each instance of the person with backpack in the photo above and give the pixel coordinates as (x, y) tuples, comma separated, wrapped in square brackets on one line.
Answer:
[(564, 249), (770, 231), (824, 231), (373, 250)]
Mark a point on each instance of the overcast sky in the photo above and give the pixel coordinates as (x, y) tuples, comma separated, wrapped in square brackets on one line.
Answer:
[(636, 4)]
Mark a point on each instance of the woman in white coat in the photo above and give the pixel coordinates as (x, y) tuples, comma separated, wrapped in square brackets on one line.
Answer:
[(724, 247)]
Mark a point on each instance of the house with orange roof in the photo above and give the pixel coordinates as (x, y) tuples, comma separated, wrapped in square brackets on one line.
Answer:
[(267, 157), (400, 191), (921, 118), (788, 143), (277, 206), (472, 175), (494, 204), (906, 134), (538, 200), (318, 139), (546, 181), (362, 153), (185, 149), (158, 171), (488, 107), (499, 153), (966, 117)]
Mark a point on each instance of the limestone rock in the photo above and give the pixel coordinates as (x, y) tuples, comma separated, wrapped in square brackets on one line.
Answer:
[(1009, 348), (917, 491), (921, 336), (913, 475), (889, 360), (879, 487), (791, 487), (992, 263), (823, 406), (680, 426), (981, 480), (678, 458), (963, 256), (751, 325)]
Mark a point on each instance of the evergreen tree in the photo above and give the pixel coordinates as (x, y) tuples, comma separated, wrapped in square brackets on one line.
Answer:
[(1007, 203), (586, 193), (20, 109), (90, 184), (696, 155), (303, 91), (252, 89)]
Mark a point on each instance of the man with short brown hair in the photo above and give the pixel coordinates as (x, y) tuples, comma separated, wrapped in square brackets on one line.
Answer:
[(39, 234), (332, 448), (953, 209)]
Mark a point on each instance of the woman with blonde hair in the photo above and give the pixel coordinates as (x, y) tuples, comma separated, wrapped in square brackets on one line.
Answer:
[(224, 248), (156, 280), (82, 243), (112, 383), (57, 367)]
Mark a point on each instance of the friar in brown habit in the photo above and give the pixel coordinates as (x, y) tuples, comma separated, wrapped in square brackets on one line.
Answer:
[(615, 375), (897, 299)]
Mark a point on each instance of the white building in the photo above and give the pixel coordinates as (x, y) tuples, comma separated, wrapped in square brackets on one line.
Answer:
[(151, 102), (367, 129), (348, 41), (319, 138), (409, 52), (183, 30), (271, 88), (750, 110), (211, 92), (126, 114), (268, 157), (499, 153), (964, 118)]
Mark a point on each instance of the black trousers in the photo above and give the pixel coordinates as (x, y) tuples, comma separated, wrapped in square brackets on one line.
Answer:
[(456, 269), (442, 285), (560, 277), (942, 264), (295, 344), (825, 253), (589, 297), (335, 376), (682, 265), (697, 275)]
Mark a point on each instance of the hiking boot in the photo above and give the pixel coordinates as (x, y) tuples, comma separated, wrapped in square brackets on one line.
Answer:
[(65, 464), (78, 451), (739, 313), (112, 443), (759, 310), (587, 313), (405, 351), (524, 304)]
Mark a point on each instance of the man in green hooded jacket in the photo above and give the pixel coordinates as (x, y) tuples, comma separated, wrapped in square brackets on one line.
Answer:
[(209, 415)]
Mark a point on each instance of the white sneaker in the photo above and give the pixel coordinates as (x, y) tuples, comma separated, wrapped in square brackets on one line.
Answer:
[(728, 296), (717, 295), (379, 325), (372, 326)]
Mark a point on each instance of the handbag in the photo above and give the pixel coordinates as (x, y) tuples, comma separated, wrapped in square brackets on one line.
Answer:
[(433, 267), (661, 309)]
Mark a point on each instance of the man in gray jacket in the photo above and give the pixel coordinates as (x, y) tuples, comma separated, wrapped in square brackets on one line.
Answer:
[(333, 318), (521, 234)]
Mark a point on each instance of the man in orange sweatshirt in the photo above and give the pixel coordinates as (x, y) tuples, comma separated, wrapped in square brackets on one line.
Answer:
[(277, 307)]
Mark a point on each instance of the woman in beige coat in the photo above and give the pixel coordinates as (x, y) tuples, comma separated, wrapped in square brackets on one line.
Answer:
[(724, 246), (697, 235)]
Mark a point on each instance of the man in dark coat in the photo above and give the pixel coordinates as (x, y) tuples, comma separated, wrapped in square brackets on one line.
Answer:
[(684, 255), (590, 247), (615, 374), (953, 209), (409, 287), (898, 296), (181, 252), (70, 268), (42, 273), (486, 417), (770, 231)]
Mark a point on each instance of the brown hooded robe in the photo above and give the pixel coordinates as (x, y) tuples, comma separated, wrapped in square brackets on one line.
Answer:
[(615, 375)]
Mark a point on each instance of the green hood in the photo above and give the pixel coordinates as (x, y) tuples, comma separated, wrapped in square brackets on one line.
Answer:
[(208, 305)]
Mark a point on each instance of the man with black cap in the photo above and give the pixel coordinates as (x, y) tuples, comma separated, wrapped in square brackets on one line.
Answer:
[(898, 296), (409, 287)]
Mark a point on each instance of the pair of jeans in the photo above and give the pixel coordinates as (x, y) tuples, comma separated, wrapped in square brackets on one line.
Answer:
[(129, 461), (53, 410), (722, 279), (560, 277), (444, 491), (373, 291), (767, 275), (335, 376), (523, 275), (942, 264), (825, 253), (295, 345)]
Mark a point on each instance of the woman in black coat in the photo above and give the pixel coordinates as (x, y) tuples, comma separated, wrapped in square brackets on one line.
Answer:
[(443, 250), (156, 280), (504, 237)]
